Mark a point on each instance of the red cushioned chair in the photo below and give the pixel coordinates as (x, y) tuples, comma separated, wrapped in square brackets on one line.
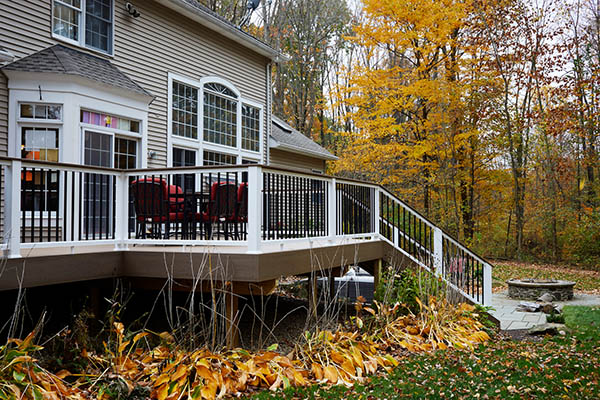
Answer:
[(241, 211), (156, 206), (176, 198), (221, 206)]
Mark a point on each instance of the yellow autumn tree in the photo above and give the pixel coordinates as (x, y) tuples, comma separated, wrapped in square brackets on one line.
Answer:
[(417, 104)]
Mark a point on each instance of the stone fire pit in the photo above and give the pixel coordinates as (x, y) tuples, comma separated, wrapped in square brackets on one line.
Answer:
[(531, 289)]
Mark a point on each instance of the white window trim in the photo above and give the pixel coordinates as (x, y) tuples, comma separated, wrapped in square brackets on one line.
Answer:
[(187, 148), (199, 145), (81, 25), (26, 120), (113, 133), (261, 128)]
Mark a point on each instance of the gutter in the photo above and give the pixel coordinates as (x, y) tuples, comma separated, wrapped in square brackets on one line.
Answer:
[(226, 29)]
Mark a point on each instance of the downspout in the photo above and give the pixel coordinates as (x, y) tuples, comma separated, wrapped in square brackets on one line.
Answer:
[(268, 114)]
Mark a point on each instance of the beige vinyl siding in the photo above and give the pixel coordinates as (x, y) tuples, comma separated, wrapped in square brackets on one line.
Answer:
[(286, 159), (3, 116), (147, 49)]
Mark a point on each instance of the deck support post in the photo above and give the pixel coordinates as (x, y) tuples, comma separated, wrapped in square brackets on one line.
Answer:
[(438, 251), (231, 319), (377, 271), (12, 209), (254, 208), (331, 280), (313, 295)]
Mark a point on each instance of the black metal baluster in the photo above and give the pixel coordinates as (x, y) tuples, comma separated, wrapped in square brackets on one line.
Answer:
[(87, 196), (478, 265), (95, 188), (64, 204), (286, 206), (100, 206), (314, 186), (265, 198), (43, 204), (114, 207), (81, 206), (23, 196), (47, 201), (296, 208)]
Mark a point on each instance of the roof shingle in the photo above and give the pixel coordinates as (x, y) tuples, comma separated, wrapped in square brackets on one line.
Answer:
[(59, 59), (292, 139)]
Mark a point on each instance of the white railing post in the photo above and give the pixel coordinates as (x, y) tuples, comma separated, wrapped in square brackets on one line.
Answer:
[(377, 211), (331, 210), (121, 211), (254, 208), (438, 251), (487, 284), (12, 209)]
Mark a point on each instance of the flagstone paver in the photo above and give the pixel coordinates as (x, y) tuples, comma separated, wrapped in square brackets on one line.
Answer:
[(505, 310)]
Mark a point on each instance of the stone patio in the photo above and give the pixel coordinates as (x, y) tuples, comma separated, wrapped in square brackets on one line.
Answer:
[(505, 310)]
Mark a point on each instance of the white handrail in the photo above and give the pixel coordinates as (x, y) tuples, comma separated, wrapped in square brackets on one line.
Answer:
[(433, 247)]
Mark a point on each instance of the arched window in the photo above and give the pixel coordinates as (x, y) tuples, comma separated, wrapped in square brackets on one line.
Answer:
[(220, 114), (211, 119)]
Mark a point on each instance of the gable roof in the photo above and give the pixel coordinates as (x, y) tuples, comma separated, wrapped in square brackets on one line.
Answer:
[(205, 16), (285, 137), (59, 59)]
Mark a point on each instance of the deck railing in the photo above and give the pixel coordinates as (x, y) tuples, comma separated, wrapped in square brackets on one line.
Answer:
[(52, 204)]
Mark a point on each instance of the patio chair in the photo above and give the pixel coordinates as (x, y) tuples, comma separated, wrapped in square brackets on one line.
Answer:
[(241, 213), (157, 206), (176, 198), (221, 208)]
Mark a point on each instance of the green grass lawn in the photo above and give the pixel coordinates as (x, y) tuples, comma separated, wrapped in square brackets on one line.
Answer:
[(559, 367), (586, 280)]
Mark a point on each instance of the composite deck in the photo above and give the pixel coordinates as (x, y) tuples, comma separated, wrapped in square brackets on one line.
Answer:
[(249, 224)]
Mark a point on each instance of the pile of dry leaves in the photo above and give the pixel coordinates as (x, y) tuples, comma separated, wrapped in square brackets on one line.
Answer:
[(167, 371)]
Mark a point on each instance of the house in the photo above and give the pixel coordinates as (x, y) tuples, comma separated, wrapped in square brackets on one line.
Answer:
[(132, 132)]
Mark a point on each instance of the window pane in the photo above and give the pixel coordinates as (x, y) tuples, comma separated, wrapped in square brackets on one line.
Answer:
[(99, 146), (185, 110), (250, 128), (220, 117), (39, 144), (66, 19), (98, 24), (125, 153), (183, 157), (26, 111), (54, 112), (40, 112), (109, 121), (214, 158)]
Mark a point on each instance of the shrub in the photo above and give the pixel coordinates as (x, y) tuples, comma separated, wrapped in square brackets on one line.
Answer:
[(408, 287)]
